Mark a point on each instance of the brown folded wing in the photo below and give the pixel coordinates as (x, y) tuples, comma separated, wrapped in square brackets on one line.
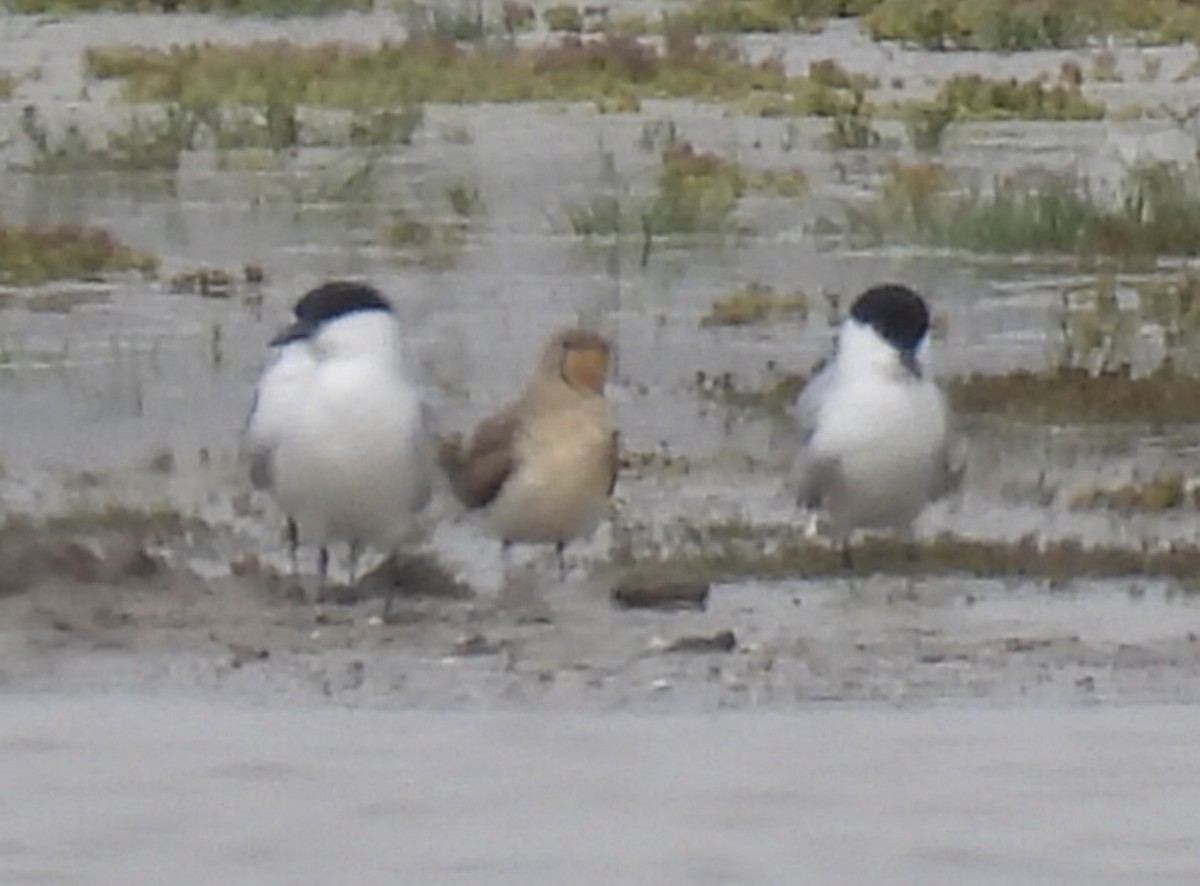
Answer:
[(477, 474)]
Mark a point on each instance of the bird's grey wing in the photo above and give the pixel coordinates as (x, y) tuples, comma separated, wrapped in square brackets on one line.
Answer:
[(949, 469), (478, 472), (262, 473), (283, 382), (808, 405), (814, 475), (814, 478), (256, 450)]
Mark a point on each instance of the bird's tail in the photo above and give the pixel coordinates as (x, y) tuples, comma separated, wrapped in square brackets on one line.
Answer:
[(451, 458)]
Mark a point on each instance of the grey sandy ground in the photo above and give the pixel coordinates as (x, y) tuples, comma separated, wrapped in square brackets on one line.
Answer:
[(891, 639)]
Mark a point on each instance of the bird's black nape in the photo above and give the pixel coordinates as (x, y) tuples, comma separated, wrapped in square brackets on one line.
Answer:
[(338, 298), (898, 314)]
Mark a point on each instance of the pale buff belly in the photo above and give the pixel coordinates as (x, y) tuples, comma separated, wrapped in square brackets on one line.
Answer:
[(559, 491)]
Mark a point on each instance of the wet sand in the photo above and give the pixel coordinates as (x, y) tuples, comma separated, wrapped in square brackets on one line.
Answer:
[(127, 619)]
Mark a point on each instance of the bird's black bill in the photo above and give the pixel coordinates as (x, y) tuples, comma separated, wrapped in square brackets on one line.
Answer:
[(301, 329), (909, 360)]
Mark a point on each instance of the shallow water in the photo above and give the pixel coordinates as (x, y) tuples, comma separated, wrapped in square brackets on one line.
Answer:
[(127, 789), (107, 384)]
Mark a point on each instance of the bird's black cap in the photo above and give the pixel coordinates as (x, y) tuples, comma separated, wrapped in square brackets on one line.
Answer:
[(896, 313), (330, 301)]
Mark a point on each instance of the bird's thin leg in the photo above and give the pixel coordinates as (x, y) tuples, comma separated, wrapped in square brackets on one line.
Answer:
[(912, 557), (292, 533), (506, 557), (559, 547), (352, 561), (322, 571), (848, 562), (389, 594)]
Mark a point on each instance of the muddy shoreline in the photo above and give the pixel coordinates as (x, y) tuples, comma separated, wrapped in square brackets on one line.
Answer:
[(102, 614)]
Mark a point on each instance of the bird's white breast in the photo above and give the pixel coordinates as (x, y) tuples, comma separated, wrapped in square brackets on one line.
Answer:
[(881, 428), (351, 463)]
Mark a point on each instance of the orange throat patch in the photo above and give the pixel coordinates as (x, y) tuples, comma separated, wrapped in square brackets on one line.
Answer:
[(586, 368)]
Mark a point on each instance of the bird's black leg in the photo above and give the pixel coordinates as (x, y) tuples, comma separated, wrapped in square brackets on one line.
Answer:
[(388, 595), (322, 571), (847, 555), (292, 533), (352, 564), (506, 556), (559, 547)]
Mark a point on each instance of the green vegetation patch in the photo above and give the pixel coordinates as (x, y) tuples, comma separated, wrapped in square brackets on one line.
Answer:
[(1159, 214), (144, 145), (738, 550), (772, 396), (1167, 492), (1029, 24), (155, 141), (756, 303), (31, 254), (221, 7), (738, 16), (517, 17), (215, 282), (601, 216), (973, 97), (419, 70), (1076, 395), (564, 17), (1103, 331), (464, 199), (430, 243), (696, 192), (1062, 395)]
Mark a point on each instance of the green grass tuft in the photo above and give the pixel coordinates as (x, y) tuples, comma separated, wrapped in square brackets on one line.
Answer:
[(429, 243), (740, 16), (564, 17), (756, 303), (1159, 214), (696, 193), (602, 70), (972, 97), (33, 254), (1006, 25), (276, 8)]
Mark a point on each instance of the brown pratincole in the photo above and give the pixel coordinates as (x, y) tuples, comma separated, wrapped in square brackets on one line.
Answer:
[(543, 468)]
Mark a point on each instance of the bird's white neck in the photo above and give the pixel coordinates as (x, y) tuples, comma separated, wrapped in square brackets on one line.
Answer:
[(366, 335), (862, 349)]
